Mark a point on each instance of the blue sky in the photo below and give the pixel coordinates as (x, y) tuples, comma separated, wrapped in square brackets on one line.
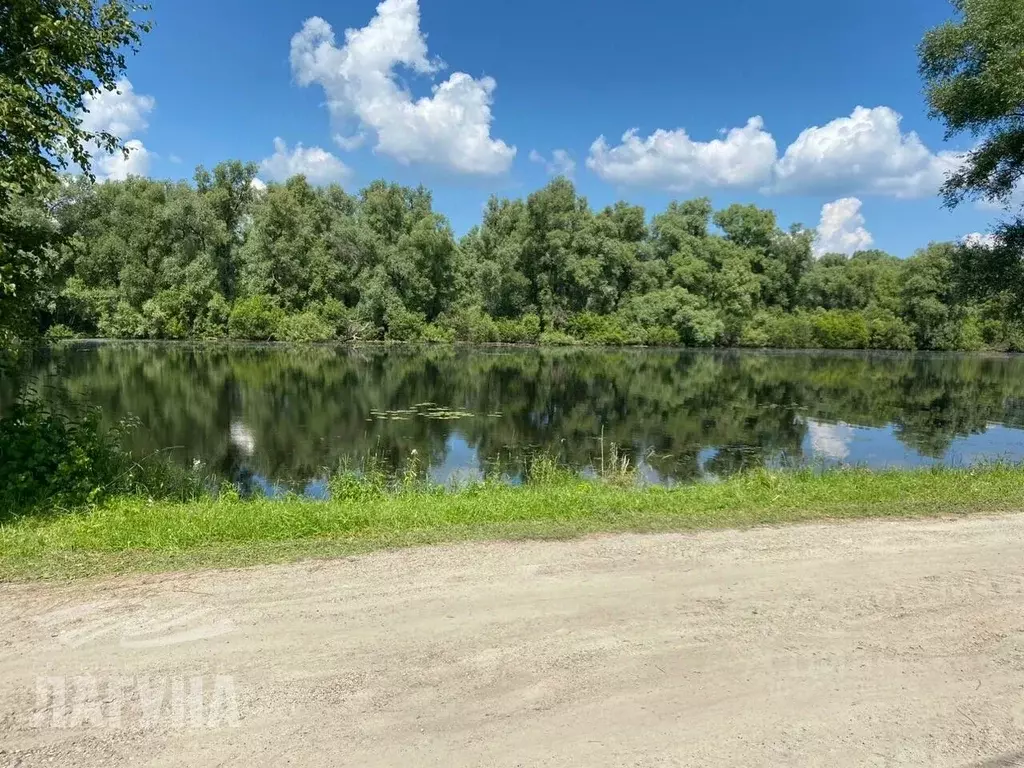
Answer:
[(723, 98)]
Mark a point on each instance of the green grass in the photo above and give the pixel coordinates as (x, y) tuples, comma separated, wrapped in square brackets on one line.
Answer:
[(133, 534)]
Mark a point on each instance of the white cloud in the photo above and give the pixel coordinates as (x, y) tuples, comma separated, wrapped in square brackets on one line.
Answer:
[(116, 167), (560, 164), (350, 143), (121, 112), (318, 165), (451, 128), (980, 240), (865, 153), (830, 440), (841, 229), (672, 160), (258, 185)]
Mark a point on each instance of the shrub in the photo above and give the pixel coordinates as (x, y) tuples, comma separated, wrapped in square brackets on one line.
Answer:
[(557, 338), (661, 336), (304, 327), (53, 461), (401, 324), (434, 334), (887, 331), (608, 330), (335, 314), (81, 308), (470, 324), (123, 323), (779, 331), (60, 461), (214, 323), (525, 330), (165, 317), (58, 332), (256, 318), (757, 333), (839, 329)]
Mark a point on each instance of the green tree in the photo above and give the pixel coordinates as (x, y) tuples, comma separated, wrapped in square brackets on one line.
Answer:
[(974, 81), (54, 53), (973, 72)]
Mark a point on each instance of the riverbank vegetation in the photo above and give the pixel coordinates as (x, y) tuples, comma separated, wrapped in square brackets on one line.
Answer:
[(222, 257), (139, 533)]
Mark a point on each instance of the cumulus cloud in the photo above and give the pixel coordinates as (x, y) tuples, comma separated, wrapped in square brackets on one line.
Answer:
[(123, 113), (451, 128), (980, 240), (560, 164), (841, 229), (865, 153), (318, 165), (671, 160), (116, 167)]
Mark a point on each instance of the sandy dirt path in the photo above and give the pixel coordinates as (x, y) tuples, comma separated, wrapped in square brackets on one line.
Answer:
[(870, 643)]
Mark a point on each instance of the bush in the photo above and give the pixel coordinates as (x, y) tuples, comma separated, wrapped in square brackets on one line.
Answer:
[(433, 334), (305, 327), (53, 460), (779, 331), (123, 323), (58, 332), (335, 314), (403, 325), (165, 316), (556, 338), (470, 324), (660, 336), (607, 330), (214, 323), (256, 318), (839, 329), (887, 331), (525, 330)]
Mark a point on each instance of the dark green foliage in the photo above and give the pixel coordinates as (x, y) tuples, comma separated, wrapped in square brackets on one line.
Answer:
[(53, 461), (974, 80), (56, 460), (53, 55)]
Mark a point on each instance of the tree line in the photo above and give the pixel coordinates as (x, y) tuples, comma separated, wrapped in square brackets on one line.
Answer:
[(220, 257), (225, 257)]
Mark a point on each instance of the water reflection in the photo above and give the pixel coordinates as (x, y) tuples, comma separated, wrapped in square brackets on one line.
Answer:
[(276, 417)]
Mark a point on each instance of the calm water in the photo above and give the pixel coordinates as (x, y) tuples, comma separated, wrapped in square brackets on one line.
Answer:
[(277, 416)]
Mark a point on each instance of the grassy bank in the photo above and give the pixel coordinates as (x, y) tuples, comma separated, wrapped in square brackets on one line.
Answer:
[(130, 534)]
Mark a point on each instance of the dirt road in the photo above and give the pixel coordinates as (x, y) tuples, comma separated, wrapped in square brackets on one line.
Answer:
[(875, 643)]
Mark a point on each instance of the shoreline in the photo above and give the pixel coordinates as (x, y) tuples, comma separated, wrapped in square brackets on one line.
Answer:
[(137, 534)]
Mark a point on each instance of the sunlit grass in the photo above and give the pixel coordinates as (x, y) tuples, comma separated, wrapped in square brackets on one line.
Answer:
[(127, 534)]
